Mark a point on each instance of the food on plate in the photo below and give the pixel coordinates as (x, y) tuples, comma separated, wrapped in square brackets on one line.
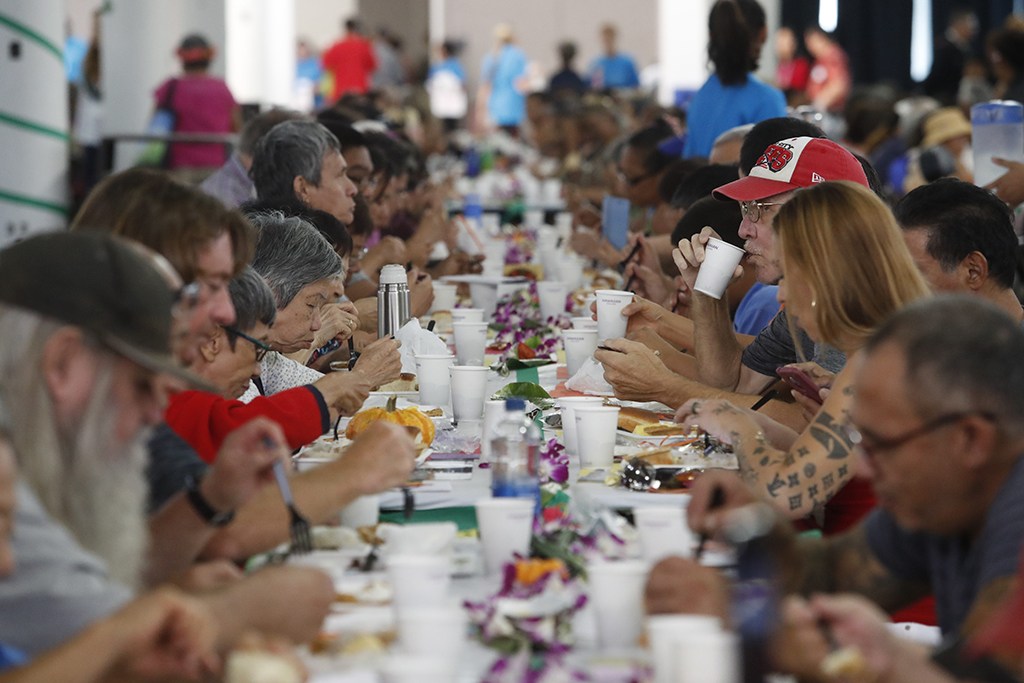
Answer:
[(335, 537), (357, 644), (434, 412), (631, 418), (376, 592), (258, 666), (661, 429), (409, 417), (405, 382), (658, 456)]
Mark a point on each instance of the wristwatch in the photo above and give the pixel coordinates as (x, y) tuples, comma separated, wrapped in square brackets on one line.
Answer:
[(203, 507)]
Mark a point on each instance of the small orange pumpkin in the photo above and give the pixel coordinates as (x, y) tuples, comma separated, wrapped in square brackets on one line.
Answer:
[(409, 417)]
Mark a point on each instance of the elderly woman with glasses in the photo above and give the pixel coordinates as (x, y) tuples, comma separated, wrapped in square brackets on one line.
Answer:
[(306, 276)]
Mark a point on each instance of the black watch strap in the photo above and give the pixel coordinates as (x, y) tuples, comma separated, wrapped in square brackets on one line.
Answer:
[(203, 507)]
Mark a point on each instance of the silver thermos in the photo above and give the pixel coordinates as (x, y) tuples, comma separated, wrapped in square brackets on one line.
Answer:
[(392, 300)]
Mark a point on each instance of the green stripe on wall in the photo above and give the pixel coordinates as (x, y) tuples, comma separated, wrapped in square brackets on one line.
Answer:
[(25, 200), (32, 126), (32, 35)]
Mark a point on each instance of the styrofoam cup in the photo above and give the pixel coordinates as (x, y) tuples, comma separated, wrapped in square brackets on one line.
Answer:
[(595, 434), (469, 389), (434, 378), (664, 631), (552, 296), (583, 323), (616, 591), (419, 580), (611, 324), (467, 315), (470, 342), (567, 404), (432, 631), (444, 297), (579, 346), (663, 532), (708, 657), (715, 273), (505, 525)]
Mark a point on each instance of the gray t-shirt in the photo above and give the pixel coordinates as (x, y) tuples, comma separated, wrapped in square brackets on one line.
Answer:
[(57, 588), (955, 568), (774, 347)]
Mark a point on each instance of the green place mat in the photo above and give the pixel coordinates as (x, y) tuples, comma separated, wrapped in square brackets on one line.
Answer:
[(465, 517)]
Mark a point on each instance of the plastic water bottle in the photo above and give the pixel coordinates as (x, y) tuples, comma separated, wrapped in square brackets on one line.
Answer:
[(997, 129), (515, 452)]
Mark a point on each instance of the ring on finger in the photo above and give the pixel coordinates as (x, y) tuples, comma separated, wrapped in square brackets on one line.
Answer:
[(696, 407)]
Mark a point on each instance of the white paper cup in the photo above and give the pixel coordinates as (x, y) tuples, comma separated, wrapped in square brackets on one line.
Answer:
[(494, 411), (583, 323), (720, 261), (469, 389), (595, 434), (419, 580), (444, 297), (611, 324), (552, 295), (570, 271), (433, 631), (434, 379), (470, 342), (708, 657), (579, 346), (406, 668), (505, 526), (533, 218), (363, 511), (665, 631), (663, 532), (567, 406), (616, 591), (467, 315)]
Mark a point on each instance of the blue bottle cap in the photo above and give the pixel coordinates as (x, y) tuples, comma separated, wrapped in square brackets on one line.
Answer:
[(515, 404)]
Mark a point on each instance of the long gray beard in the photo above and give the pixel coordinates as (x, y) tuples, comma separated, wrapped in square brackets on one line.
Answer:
[(95, 488)]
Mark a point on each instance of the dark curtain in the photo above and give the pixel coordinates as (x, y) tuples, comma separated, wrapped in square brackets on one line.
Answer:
[(876, 36)]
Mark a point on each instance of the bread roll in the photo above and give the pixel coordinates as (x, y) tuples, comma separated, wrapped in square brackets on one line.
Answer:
[(659, 429), (631, 418)]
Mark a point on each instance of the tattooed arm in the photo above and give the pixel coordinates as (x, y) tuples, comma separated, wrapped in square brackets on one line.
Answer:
[(801, 479)]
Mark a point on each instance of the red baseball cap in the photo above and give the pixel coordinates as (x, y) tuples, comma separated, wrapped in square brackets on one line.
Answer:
[(791, 164)]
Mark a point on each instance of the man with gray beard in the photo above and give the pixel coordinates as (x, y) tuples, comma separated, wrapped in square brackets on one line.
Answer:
[(85, 359)]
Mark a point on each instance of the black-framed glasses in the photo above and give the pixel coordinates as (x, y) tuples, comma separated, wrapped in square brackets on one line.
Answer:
[(261, 347), (872, 445), (753, 211)]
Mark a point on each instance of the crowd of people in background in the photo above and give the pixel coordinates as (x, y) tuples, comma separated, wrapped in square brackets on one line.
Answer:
[(183, 336)]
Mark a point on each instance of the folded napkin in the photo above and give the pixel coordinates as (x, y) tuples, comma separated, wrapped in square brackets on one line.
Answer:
[(415, 340), (589, 379)]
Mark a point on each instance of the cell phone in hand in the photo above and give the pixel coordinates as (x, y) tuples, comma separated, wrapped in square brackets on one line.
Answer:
[(801, 382)]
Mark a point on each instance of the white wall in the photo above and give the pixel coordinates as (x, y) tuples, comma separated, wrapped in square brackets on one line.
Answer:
[(320, 21)]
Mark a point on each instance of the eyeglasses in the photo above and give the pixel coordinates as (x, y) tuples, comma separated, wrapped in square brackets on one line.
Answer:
[(188, 295), (753, 211), (872, 445), (261, 347), (636, 180)]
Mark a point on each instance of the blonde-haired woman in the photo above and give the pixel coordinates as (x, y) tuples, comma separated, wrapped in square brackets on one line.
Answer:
[(846, 269)]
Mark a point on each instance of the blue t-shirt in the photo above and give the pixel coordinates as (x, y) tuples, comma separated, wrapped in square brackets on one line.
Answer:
[(506, 105), (451, 64), (716, 108), (617, 71), (956, 569), (11, 658), (756, 310)]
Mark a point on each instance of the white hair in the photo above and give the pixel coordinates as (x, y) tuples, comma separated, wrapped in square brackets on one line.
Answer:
[(86, 481)]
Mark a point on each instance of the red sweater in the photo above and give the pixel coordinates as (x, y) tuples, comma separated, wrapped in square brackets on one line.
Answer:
[(204, 420)]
